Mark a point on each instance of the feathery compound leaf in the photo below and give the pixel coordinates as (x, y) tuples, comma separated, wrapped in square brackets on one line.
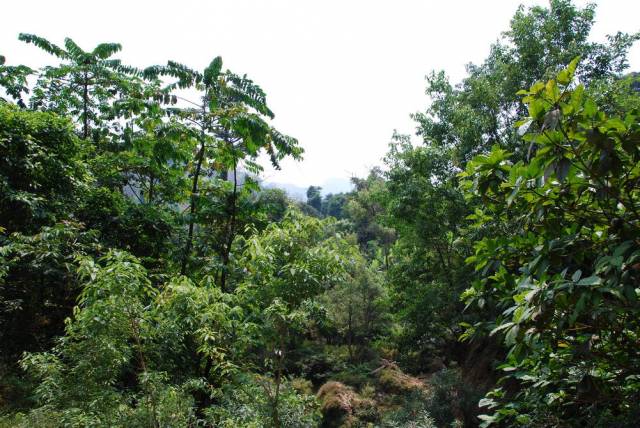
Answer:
[(212, 72), (76, 51), (105, 50), (243, 90), (186, 76), (43, 44)]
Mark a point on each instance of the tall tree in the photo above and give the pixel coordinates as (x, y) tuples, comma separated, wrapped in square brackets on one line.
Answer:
[(84, 84), (230, 122), (314, 197), (467, 119), (565, 278)]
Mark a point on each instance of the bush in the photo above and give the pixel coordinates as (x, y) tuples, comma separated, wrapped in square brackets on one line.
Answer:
[(356, 376), (337, 401), (246, 403), (316, 363), (421, 420), (342, 406), (394, 380), (450, 399)]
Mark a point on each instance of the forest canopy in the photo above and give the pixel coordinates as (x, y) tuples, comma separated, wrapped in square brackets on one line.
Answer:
[(485, 274)]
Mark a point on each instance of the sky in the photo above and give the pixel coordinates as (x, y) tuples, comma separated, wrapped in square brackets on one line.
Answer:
[(340, 76)]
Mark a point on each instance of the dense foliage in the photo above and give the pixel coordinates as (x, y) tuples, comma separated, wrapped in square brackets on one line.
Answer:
[(567, 277), (486, 274)]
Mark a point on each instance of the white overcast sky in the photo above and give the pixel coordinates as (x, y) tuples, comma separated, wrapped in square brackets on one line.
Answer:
[(339, 75)]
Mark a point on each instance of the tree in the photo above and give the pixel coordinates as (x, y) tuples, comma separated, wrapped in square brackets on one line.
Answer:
[(565, 278), (289, 265), (146, 357), (357, 306), (84, 85), (153, 150), (470, 118), (109, 338), (333, 205), (38, 285), (231, 126), (41, 169), (427, 270), (425, 205), (314, 197), (294, 260), (274, 203), (365, 210), (13, 79), (151, 348)]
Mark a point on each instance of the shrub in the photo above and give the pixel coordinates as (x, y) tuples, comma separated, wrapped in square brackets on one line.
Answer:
[(421, 420), (342, 406), (394, 380), (450, 399), (246, 404), (337, 400)]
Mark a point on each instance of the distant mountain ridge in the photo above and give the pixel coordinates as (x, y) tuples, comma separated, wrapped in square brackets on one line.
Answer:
[(331, 185)]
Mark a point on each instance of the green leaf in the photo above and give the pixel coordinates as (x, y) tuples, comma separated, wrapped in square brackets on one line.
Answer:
[(592, 280), (514, 192), (564, 77), (522, 129), (576, 276), (501, 327), (573, 65), (562, 169)]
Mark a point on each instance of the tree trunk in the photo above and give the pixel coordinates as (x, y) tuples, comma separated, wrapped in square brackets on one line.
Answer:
[(85, 107), (192, 211), (151, 182), (350, 334), (278, 380), (231, 229), (445, 268)]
